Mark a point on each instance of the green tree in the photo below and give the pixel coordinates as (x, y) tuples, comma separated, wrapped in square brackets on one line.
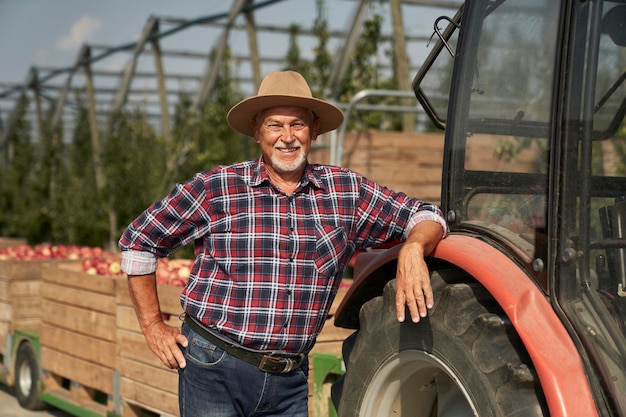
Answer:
[(17, 175)]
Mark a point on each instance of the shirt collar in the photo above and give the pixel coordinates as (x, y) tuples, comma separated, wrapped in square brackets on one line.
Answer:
[(310, 176)]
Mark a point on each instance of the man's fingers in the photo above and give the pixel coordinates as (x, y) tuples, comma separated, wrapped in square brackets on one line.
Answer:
[(400, 305), (418, 299)]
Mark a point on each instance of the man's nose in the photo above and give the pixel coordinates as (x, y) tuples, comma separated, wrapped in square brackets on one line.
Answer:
[(288, 133)]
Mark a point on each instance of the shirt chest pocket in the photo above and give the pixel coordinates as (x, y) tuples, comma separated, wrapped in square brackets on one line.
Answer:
[(330, 246)]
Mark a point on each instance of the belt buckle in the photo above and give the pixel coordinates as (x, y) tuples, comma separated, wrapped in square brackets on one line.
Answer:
[(273, 361)]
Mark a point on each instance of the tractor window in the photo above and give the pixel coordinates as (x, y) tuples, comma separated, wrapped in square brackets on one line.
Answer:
[(505, 156), (515, 63)]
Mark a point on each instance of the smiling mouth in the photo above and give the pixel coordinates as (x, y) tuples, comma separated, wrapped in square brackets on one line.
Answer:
[(287, 150)]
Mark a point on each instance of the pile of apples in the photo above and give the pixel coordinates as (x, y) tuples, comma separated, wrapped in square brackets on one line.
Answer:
[(47, 251), (173, 271), (96, 261)]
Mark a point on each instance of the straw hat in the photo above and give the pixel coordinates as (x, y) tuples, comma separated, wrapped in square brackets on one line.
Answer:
[(279, 89)]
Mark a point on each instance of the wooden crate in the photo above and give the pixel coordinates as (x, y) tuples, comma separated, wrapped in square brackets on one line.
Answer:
[(20, 301), (145, 383), (78, 336), (6, 242)]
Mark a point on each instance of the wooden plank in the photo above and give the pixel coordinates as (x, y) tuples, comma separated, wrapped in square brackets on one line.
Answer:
[(4, 332), (84, 372), (4, 289), (158, 377), (6, 311), (78, 297), (24, 287), (24, 323), (132, 345), (149, 398), (80, 320), (69, 276), (6, 242), (16, 269), (84, 347), (169, 297)]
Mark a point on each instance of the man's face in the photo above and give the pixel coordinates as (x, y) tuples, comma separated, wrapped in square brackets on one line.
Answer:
[(285, 135)]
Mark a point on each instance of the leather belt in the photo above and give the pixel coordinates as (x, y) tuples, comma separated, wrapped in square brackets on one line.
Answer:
[(265, 362)]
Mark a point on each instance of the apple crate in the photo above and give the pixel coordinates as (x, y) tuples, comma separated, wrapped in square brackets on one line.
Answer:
[(78, 336), (20, 308), (145, 383), (6, 242)]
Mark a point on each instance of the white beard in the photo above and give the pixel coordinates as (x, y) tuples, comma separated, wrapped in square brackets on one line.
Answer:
[(282, 166)]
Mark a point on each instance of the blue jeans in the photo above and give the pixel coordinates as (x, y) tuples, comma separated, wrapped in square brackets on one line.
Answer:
[(216, 384)]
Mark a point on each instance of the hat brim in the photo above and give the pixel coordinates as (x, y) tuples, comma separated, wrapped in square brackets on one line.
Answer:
[(242, 113)]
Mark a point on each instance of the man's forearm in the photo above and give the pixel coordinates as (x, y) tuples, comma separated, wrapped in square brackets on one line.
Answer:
[(143, 293), (426, 234)]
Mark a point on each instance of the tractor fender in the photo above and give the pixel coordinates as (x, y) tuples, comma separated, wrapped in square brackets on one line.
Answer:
[(553, 353)]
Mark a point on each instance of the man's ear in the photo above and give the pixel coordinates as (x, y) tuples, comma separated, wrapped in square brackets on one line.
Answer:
[(315, 128), (255, 131)]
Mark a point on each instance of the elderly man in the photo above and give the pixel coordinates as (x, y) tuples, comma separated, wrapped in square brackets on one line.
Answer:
[(272, 237)]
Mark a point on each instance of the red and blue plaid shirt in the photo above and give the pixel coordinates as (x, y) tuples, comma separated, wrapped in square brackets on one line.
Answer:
[(268, 265)]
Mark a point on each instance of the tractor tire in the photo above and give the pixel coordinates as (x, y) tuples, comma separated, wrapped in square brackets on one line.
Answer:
[(463, 359), (27, 378)]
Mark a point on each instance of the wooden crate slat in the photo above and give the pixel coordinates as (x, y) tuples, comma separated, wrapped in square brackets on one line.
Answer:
[(6, 311), (133, 346), (158, 377), (78, 297), (4, 331), (22, 269), (18, 288), (152, 399), (77, 345), (71, 276), (169, 297), (84, 372), (87, 322)]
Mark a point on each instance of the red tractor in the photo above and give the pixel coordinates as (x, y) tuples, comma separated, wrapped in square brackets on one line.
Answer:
[(530, 286)]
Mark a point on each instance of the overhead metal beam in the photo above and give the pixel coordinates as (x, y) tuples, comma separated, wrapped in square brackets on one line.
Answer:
[(122, 92), (214, 64), (255, 60), (6, 151), (345, 55), (160, 78)]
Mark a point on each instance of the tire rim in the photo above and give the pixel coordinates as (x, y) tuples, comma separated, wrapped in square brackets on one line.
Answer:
[(25, 379), (415, 383)]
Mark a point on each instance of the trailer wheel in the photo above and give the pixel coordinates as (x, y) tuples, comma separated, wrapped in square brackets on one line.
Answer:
[(464, 359), (27, 378)]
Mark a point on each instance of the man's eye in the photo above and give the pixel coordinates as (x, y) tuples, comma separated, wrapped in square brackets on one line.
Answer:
[(298, 126)]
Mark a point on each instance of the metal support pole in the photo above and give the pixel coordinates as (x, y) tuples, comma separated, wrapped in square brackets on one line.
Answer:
[(160, 77), (213, 68), (93, 125), (6, 151), (338, 71), (122, 92), (363, 94), (402, 60), (255, 61)]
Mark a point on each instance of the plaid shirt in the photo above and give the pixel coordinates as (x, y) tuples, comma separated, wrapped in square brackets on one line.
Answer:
[(268, 265)]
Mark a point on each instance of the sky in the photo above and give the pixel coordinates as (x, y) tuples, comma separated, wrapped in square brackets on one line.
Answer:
[(49, 33)]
